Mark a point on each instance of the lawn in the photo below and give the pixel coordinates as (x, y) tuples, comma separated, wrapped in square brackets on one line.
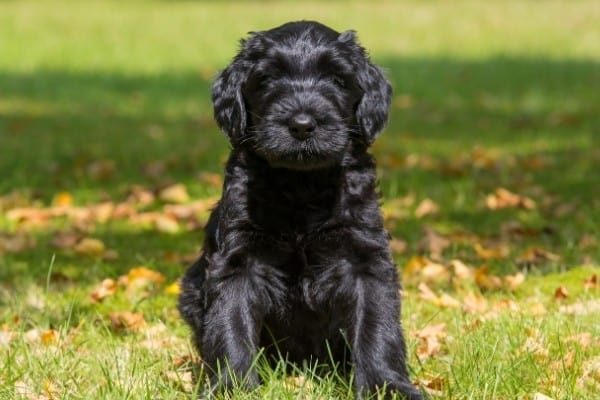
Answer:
[(110, 162)]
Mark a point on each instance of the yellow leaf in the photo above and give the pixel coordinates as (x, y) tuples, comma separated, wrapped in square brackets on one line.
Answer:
[(174, 289), (473, 303), (462, 271), (90, 247), (502, 198), (62, 199), (49, 337)]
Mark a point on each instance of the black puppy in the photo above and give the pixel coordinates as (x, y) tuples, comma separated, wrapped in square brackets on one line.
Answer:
[(296, 260)]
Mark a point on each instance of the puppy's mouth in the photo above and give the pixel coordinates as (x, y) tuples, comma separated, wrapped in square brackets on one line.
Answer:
[(325, 148)]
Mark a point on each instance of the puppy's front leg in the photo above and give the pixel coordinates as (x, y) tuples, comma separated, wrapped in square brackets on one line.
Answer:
[(231, 327), (378, 348)]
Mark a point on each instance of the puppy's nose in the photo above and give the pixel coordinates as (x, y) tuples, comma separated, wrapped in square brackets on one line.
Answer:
[(302, 126)]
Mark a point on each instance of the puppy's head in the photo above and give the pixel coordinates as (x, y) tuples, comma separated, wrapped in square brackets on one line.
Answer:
[(297, 95)]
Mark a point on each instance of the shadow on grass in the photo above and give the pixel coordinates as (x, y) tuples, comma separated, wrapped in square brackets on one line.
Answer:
[(56, 125)]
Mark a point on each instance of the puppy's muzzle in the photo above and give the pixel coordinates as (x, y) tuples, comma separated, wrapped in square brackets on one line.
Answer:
[(302, 126)]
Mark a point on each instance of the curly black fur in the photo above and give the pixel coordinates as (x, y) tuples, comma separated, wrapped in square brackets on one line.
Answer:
[(296, 260)]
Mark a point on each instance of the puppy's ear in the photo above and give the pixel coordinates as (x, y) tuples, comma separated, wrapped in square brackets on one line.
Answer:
[(372, 110), (228, 101)]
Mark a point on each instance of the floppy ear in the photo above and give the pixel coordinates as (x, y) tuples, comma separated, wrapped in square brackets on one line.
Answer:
[(228, 101), (372, 110)]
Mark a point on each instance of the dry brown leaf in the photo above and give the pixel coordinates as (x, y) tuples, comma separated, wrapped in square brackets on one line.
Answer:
[(448, 301), (536, 255), (174, 194), (16, 243), (462, 272), (166, 224), (430, 340), (108, 287), (398, 246), (591, 283), (90, 247), (491, 253), (561, 293), (433, 243), (65, 240), (126, 320), (101, 169), (485, 280), (513, 282), (426, 207), (425, 293), (503, 198), (183, 380), (474, 303), (214, 180), (434, 385), (433, 272), (590, 376)]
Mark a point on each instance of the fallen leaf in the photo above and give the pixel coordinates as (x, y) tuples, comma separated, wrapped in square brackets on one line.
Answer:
[(398, 246), (425, 293), (561, 293), (166, 224), (491, 253), (513, 282), (430, 339), (174, 194), (434, 243), (536, 255), (448, 301), (174, 289), (591, 283), (434, 385), (474, 303), (214, 180), (101, 169), (462, 272), (183, 380), (65, 240), (62, 199), (90, 247), (485, 280), (49, 337), (503, 198), (140, 278), (126, 320), (107, 288), (426, 207)]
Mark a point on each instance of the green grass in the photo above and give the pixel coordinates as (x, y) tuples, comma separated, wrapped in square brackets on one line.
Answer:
[(94, 95)]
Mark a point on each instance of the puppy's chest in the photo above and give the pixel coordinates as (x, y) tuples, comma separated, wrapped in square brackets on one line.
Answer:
[(291, 213)]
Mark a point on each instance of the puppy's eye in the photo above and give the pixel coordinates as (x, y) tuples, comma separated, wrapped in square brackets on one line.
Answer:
[(339, 81)]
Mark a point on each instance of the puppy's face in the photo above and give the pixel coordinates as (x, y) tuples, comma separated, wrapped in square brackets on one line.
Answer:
[(299, 94)]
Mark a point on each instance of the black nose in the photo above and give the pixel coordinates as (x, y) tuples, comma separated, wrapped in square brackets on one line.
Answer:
[(302, 126)]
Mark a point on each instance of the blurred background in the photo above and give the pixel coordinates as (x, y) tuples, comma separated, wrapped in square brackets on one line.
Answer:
[(489, 174)]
